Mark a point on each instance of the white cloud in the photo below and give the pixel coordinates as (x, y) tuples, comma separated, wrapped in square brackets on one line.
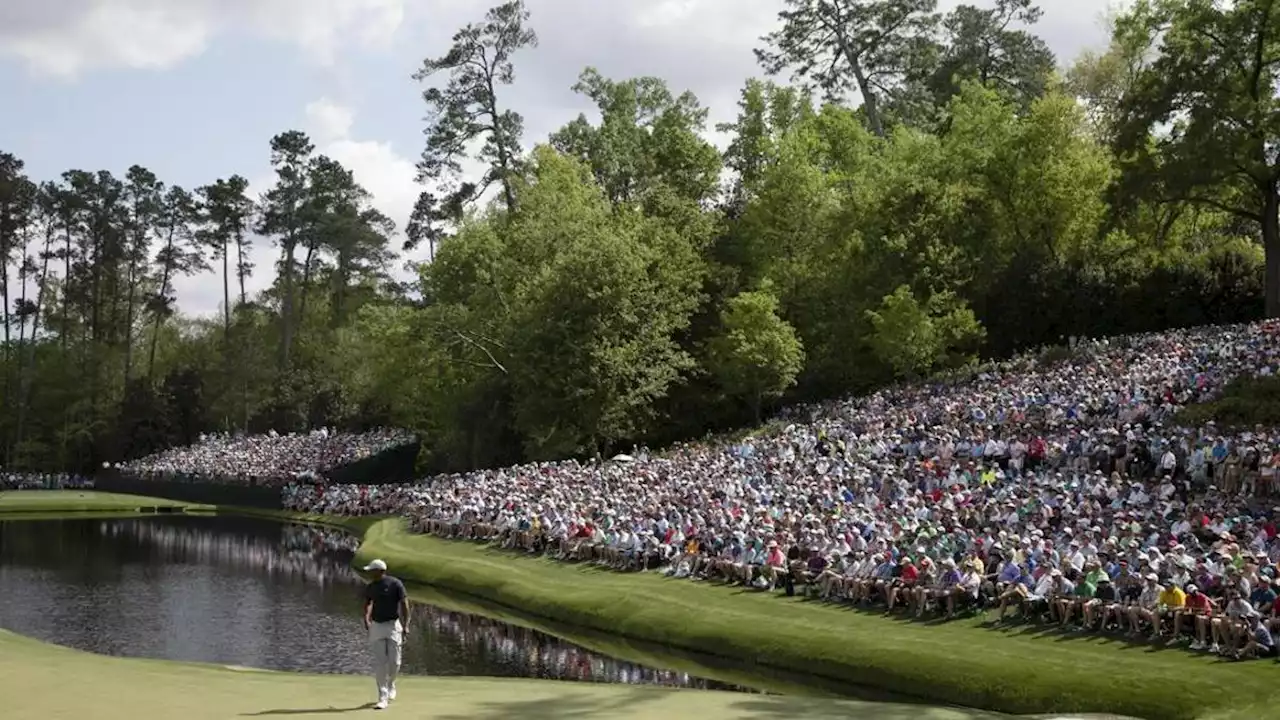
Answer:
[(68, 37), (320, 27), (141, 35), (329, 121)]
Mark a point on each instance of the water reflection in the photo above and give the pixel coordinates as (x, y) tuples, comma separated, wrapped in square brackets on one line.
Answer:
[(249, 592)]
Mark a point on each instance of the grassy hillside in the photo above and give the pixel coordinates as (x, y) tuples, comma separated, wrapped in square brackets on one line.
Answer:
[(1014, 670)]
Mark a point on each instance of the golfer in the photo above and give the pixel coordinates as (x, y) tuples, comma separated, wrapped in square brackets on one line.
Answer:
[(386, 617)]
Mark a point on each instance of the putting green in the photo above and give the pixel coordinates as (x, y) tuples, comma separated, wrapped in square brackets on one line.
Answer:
[(45, 682)]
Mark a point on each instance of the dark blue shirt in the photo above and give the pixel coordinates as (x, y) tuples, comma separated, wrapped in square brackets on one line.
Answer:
[(386, 595)]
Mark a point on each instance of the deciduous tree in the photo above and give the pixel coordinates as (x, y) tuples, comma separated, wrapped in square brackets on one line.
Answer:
[(1209, 102), (757, 354)]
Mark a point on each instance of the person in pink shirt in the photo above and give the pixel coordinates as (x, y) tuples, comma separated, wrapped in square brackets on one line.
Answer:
[(775, 564)]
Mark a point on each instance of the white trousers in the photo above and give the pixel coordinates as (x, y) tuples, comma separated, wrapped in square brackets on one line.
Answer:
[(384, 645)]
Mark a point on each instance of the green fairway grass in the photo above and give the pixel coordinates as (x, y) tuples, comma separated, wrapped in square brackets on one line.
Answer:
[(45, 682), (50, 502), (1021, 670)]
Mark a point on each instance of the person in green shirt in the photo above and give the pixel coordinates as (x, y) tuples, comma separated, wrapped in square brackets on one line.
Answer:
[(1094, 573), (1082, 594)]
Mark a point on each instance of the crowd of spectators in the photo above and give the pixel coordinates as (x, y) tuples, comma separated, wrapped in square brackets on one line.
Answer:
[(1065, 491), (270, 459), (44, 481)]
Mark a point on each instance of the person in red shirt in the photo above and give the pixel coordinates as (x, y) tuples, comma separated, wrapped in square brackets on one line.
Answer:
[(1199, 609), (1035, 452), (906, 579), (1197, 605)]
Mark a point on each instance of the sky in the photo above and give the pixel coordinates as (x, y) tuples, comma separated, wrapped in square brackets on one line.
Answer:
[(195, 89)]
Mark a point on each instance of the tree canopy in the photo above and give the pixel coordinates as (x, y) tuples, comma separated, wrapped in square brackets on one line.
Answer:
[(928, 192)]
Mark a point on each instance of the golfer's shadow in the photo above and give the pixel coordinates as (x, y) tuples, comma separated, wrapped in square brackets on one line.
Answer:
[(315, 711)]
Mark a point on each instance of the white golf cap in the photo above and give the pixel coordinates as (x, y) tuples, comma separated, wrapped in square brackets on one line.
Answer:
[(375, 565)]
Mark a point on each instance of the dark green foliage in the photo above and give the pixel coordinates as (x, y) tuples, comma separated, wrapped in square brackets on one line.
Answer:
[(961, 204), (1243, 404)]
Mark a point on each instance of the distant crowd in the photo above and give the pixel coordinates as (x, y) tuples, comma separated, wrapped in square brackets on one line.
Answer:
[(1066, 492), (269, 459), (43, 481)]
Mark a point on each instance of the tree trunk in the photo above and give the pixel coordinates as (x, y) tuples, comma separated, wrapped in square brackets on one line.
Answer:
[(870, 104), (91, 361), (240, 274), (130, 300), (95, 292), (155, 341), (13, 389), (23, 279), (338, 300), (25, 370), (155, 326), (1271, 246), (66, 285), (6, 247), (244, 299), (504, 159), (226, 290), (306, 283), (111, 325), (286, 315)]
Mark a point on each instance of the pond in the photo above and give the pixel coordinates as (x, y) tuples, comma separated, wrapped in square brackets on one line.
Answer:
[(253, 593)]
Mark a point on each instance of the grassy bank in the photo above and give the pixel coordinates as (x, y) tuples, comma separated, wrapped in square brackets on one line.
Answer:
[(728, 671), (1017, 670), (62, 502), (35, 678)]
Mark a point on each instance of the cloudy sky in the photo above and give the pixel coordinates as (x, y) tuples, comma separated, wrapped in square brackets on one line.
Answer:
[(194, 89)]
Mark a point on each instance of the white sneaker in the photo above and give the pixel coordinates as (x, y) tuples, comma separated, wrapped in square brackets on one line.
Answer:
[(380, 705), (1215, 649), (392, 695)]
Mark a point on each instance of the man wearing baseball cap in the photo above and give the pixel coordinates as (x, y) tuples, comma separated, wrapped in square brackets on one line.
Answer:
[(386, 617)]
